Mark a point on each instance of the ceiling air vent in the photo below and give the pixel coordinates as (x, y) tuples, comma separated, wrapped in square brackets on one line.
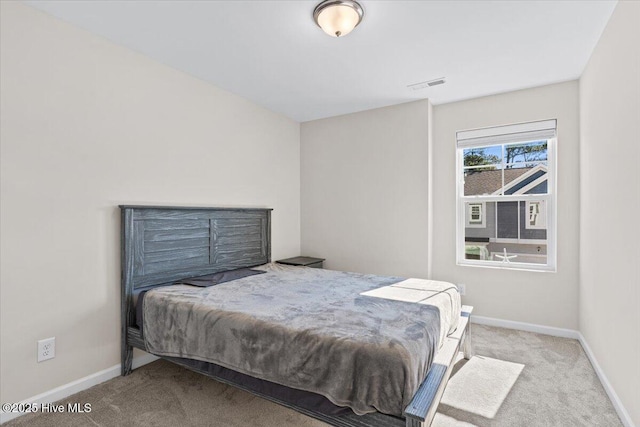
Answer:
[(422, 85)]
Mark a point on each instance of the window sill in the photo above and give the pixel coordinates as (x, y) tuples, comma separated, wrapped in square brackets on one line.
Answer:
[(513, 266)]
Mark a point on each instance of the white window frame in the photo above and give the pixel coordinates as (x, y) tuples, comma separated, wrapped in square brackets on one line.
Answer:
[(483, 215), (485, 137)]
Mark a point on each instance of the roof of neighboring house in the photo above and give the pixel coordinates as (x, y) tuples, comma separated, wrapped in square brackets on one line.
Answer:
[(490, 181)]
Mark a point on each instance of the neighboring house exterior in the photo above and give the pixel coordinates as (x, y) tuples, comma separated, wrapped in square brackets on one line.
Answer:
[(517, 227)]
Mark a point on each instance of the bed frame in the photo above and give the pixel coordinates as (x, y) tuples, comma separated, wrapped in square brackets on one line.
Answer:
[(162, 244)]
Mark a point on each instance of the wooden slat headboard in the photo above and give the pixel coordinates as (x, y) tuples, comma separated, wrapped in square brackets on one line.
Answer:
[(164, 244)]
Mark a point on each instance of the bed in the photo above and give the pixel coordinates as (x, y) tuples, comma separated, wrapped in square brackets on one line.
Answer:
[(288, 334)]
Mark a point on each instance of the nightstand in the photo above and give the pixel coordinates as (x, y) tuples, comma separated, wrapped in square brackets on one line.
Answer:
[(304, 261)]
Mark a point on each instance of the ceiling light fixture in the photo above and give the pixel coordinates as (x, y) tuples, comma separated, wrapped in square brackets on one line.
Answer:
[(338, 17)]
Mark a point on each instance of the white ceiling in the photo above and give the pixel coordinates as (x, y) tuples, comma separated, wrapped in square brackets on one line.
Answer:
[(272, 53)]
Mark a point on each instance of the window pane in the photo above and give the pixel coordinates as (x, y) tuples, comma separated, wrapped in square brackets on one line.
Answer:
[(505, 236), (518, 252), (483, 156), (482, 181), (527, 153), (482, 170), (524, 179)]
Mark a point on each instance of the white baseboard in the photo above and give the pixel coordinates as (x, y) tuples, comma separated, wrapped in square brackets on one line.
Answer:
[(76, 386), (528, 327), (617, 403), (564, 333)]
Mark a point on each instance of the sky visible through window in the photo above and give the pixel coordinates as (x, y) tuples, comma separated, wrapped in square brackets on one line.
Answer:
[(506, 156)]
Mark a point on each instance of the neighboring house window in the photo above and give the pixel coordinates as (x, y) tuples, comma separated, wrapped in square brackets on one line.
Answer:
[(506, 196), (475, 215), (537, 215)]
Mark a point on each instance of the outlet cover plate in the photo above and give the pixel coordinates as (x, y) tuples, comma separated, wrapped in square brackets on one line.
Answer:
[(462, 289), (46, 349)]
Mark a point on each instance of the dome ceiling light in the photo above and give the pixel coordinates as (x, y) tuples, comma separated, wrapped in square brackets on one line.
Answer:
[(338, 17)]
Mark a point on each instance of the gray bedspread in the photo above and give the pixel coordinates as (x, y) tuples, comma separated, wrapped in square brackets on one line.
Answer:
[(304, 328)]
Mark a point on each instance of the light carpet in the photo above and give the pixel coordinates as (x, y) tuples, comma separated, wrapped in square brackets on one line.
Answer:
[(516, 379)]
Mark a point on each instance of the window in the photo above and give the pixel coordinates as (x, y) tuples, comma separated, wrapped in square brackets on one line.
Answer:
[(475, 215), (506, 196), (537, 215)]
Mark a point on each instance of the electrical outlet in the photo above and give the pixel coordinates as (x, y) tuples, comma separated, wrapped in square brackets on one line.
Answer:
[(462, 289), (46, 349)]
